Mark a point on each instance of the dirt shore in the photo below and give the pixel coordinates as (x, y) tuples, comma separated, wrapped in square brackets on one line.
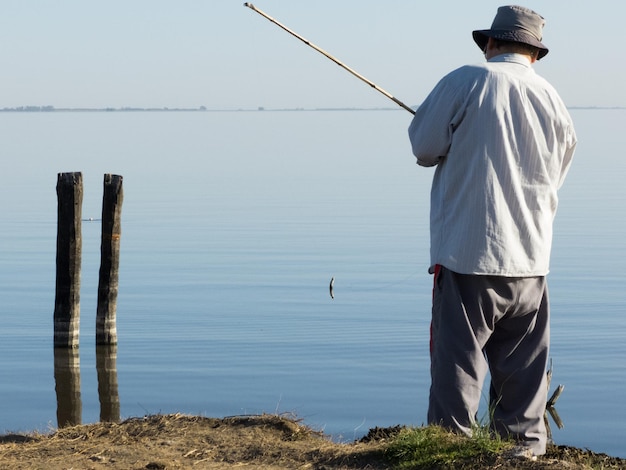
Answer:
[(265, 442)]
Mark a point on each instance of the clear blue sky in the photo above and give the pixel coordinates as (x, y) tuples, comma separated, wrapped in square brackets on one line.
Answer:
[(219, 54)]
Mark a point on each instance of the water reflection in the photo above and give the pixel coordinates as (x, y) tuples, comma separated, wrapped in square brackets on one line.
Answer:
[(550, 406), (106, 365), (67, 385)]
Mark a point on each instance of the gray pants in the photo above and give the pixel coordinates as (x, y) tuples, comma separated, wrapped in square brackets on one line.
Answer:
[(496, 324)]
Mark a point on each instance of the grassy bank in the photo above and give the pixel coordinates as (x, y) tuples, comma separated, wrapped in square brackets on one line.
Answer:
[(267, 442)]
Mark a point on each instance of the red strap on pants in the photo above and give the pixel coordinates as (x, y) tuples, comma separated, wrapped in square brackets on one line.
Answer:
[(436, 270)]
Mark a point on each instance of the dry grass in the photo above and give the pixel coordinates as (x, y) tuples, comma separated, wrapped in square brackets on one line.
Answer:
[(261, 442), (180, 441)]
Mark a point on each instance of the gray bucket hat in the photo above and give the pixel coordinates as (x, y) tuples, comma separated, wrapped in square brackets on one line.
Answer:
[(516, 24)]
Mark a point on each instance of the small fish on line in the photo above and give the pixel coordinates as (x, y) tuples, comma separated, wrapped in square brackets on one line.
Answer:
[(332, 283)]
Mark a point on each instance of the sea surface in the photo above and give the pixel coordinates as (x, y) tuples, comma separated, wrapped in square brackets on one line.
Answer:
[(233, 224)]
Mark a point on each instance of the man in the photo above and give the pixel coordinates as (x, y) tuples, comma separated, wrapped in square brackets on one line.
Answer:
[(502, 141)]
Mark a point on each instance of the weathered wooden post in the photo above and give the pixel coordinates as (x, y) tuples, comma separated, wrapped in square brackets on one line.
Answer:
[(106, 367), (69, 254), (106, 329)]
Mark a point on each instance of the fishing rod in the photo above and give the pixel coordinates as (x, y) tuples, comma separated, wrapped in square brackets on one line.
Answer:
[(335, 60)]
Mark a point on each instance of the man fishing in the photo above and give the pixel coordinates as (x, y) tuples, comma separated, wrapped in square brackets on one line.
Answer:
[(502, 141)]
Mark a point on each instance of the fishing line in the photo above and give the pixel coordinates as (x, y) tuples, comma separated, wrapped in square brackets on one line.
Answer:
[(371, 84), (380, 287)]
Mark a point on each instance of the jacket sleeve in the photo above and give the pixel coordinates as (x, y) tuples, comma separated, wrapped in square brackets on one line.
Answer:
[(569, 154), (431, 129)]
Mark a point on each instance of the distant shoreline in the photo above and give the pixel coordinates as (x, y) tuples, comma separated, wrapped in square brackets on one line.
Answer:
[(204, 109)]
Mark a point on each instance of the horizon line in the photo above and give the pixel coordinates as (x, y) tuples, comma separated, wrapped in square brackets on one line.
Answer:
[(49, 109)]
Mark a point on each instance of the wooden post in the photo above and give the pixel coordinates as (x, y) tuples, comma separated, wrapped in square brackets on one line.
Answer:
[(69, 254), (106, 329)]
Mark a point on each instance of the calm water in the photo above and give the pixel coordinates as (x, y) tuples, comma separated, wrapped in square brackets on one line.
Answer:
[(233, 225)]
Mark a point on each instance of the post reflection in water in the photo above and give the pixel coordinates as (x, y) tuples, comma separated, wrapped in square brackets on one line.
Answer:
[(106, 365), (67, 381)]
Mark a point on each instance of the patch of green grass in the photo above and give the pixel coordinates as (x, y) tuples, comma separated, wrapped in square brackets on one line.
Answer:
[(434, 447)]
